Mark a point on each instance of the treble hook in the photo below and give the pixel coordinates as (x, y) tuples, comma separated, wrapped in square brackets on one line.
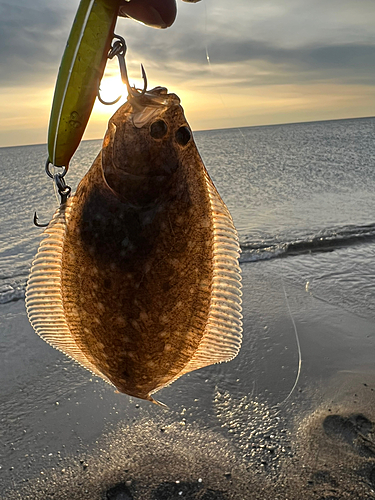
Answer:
[(63, 189), (118, 48)]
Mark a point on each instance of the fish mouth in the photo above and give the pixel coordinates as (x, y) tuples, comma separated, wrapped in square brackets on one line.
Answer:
[(152, 102)]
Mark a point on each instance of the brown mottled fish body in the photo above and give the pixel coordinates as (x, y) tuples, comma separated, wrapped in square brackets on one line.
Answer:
[(138, 278)]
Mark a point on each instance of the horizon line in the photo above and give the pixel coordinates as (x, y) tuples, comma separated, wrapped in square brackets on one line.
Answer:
[(218, 129)]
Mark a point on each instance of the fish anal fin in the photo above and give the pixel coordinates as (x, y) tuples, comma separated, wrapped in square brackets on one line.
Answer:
[(44, 303), (156, 402)]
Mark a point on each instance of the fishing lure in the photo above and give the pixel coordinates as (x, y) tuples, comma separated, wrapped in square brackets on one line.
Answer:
[(80, 72), (137, 277)]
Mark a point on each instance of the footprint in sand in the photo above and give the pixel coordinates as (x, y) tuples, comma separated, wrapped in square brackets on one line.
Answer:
[(170, 491), (118, 492), (188, 490), (356, 430)]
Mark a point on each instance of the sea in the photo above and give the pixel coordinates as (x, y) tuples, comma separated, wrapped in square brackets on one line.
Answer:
[(302, 199)]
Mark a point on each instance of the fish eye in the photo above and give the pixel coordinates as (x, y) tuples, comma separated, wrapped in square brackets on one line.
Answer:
[(183, 135), (158, 129)]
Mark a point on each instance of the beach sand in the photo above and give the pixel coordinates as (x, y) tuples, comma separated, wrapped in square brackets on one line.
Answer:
[(232, 431)]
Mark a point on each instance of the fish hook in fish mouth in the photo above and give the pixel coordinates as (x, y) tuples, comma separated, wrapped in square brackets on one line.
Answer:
[(118, 48)]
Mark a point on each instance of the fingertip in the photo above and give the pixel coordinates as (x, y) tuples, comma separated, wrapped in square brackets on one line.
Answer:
[(154, 13)]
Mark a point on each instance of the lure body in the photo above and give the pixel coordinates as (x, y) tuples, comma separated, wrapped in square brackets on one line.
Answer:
[(137, 277), (80, 72)]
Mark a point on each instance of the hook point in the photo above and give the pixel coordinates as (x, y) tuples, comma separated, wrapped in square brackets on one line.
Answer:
[(144, 76), (36, 223)]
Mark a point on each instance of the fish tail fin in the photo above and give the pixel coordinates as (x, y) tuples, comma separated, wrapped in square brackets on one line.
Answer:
[(155, 401)]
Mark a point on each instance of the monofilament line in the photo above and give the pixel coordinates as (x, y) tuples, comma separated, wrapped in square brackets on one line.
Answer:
[(220, 96), (205, 33), (298, 347)]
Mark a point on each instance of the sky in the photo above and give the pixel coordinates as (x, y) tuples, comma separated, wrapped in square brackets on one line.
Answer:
[(233, 63)]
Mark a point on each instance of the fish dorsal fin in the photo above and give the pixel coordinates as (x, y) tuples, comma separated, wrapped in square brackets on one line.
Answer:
[(44, 302), (222, 337)]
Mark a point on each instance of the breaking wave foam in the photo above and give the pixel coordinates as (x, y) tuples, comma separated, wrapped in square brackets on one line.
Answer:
[(326, 240)]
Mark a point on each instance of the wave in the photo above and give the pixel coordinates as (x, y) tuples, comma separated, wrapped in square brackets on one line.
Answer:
[(12, 292), (326, 240)]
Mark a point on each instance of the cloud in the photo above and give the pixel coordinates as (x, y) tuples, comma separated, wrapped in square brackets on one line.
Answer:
[(251, 62), (293, 40), (32, 39), (276, 42), (269, 61)]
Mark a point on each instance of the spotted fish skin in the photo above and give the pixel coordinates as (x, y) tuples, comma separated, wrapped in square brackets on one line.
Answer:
[(148, 285)]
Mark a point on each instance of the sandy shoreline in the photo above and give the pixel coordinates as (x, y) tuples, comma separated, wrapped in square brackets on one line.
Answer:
[(227, 425)]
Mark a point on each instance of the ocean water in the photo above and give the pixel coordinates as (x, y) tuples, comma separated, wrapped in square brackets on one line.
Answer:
[(301, 189), (302, 198)]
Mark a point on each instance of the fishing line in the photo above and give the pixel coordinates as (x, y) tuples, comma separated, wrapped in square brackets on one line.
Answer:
[(205, 32), (282, 282), (283, 272), (217, 93), (298, 346)]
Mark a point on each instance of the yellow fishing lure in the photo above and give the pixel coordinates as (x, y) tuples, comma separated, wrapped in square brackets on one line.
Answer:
[(80, 72)]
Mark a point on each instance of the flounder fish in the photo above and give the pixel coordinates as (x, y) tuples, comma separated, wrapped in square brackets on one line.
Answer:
[(137, 277)]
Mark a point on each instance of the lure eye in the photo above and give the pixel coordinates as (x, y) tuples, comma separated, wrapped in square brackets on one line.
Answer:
[(158, 129), (183, 135)]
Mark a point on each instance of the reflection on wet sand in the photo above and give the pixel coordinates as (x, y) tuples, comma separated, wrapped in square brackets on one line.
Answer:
[(327, 454)]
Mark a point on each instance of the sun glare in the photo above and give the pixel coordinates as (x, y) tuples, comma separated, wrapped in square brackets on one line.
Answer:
[(111, 87)]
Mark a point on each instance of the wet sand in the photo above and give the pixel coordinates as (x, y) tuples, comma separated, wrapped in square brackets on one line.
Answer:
[(232, 431)]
